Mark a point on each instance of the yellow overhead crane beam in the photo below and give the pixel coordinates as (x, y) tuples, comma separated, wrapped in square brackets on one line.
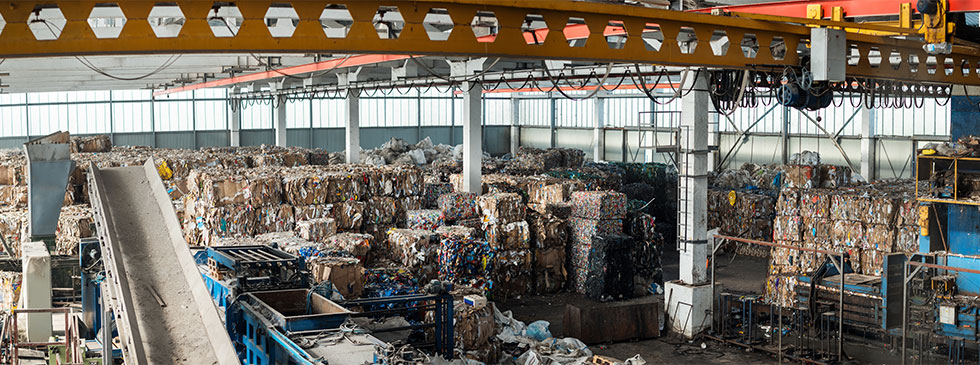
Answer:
[(195, 36)]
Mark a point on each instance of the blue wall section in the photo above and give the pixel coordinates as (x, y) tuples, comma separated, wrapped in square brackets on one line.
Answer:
[(964, 238), (964, 116)]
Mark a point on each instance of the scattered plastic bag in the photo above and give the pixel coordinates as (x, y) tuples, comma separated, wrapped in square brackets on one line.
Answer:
[(538, 330)]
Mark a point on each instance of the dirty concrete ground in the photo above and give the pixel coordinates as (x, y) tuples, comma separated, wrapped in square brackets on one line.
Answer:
[(743, 274), (738, 274)]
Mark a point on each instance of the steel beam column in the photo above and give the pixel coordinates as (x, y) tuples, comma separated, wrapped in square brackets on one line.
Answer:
[(235, 123), (352, 116), (599, 133), (280, 122), (515, 124), (869, 161), (352, 126), (472, 137)]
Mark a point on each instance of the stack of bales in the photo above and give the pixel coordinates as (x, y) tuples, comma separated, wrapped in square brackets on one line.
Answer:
[(743, 214), (866, 222), (594, 214), (509, 235)]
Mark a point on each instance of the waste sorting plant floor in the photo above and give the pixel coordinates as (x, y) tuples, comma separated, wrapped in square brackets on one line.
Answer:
[(743, 274)]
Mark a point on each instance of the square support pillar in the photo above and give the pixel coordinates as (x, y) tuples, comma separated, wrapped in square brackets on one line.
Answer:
[(36, 290), (472, 137), (235, 124), (352, 126), (515, 124), (599, 132), (690, 297), (280, 123), (869, 160)]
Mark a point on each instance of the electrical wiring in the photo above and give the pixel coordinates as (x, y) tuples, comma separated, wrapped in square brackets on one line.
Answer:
[(562, 92), (88, 64)]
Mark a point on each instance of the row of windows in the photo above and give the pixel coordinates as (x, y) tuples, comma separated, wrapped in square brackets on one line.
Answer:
[(128, 111)]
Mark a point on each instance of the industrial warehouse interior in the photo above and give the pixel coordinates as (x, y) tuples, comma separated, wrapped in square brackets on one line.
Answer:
[(489, 182)]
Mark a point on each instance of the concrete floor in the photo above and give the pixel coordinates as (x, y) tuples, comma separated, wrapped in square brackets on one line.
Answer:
[(743, 274)]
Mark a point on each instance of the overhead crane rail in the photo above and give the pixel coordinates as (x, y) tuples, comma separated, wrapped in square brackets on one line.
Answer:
[(649, 36)]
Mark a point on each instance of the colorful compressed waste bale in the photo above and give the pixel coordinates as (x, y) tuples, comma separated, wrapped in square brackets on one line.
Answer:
[(583, 233), (222, 187), (97, 143), (512, 274), (456, 231), (274, 218), (548, 231), (549, 270), (849, 206), (13, 195), (908, 211), (881, 210), (802, 176), (598, 204), (466, 261), (458, 206), (610, 268), (848, 234), (544, 192), (317, 229), (345, 273), (429, 219), (308, 212), (510, 236), (74, 223), (834, 176), (405, 204), (12, 170), (433, 190), (204, 224), (416, 249), (349, 215), (788, 203), (389, 281), (475, 223), (815, 204), (540, 160), (10, 284), (787, 228), (381, 210), (907, 239), (501, 208), (879, 237), (286, 241), (358, 244)]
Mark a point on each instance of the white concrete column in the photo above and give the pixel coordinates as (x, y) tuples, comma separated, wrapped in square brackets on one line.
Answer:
[(352, 127), (472, 137), (869, 160), (690, 297), (280, 123), (235, 124), (694, 156), (36, 290), (515, 125), (599, 133)]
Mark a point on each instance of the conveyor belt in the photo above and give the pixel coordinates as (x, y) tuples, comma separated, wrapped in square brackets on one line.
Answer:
[(163, 310)]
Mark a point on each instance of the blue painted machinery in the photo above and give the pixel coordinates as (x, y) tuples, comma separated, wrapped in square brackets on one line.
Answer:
[(274, 317), (235, 270)]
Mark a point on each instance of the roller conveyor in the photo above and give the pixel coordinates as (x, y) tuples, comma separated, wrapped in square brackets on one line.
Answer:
[(162, 308)]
